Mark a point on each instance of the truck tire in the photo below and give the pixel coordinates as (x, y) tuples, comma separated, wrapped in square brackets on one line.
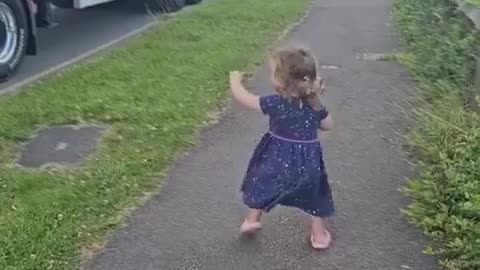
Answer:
[(13, 37), (167, 6), (62, 3), (192, 2)]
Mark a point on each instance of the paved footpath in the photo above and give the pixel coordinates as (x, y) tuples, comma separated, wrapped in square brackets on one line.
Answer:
[(193, 222)]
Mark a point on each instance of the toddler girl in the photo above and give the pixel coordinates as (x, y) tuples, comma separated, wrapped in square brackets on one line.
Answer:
[(287, 167)]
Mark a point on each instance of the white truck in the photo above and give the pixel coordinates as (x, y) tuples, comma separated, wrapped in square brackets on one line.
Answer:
[(18, 29)]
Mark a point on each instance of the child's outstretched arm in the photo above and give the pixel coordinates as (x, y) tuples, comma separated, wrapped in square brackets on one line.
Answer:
[(241, 94)]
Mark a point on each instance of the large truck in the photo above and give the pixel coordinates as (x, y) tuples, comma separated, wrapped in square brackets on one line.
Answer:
[(18, 28)]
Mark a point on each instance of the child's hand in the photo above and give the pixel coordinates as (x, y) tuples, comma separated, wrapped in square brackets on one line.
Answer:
[(320, 82), (241, 94), (236, 77)]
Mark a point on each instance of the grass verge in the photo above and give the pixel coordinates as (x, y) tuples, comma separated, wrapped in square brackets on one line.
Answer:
[(446, 136), (154, 93)]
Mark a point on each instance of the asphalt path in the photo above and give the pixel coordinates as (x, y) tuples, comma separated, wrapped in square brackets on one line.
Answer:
[(79, 32)]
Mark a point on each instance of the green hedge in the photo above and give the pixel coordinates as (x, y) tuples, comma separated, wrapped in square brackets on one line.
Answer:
[(440, 37), (474, 2), (446, 135)]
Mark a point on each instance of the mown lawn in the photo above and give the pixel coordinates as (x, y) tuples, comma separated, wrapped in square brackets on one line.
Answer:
[(153, 93)]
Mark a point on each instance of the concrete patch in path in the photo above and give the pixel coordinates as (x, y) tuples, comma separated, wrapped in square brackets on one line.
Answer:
[(376, 56)]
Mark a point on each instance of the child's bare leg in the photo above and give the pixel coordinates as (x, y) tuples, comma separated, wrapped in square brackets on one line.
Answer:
[(252, 221), (321, 238), (254, 215)]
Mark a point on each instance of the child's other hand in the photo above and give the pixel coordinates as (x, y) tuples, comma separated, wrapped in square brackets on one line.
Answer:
[(322, 86), (236, 77)]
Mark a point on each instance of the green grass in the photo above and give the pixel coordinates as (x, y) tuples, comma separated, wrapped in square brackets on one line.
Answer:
[(154, 93)]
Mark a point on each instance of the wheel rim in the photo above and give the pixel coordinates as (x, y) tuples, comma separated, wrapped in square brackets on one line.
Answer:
[(8, 33)]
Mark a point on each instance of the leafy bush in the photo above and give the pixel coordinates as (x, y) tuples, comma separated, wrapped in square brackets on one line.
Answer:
[(446, 191), (440, 37), (446, 135), (474, 2)]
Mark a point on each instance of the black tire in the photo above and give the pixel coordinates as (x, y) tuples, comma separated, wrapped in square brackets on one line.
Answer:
[(62, 3), (192, 2), (14, 43), (166, 6)]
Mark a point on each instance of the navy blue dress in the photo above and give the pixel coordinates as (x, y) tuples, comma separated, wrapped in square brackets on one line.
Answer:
[(287, 167)]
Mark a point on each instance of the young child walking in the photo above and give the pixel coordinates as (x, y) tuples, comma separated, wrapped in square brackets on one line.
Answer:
[(287, 166)]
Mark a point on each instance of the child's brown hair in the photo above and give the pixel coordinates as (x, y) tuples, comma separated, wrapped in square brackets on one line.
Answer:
[(296, 70)]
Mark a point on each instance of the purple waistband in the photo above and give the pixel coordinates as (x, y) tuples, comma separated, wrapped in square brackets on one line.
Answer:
[(291, 140)]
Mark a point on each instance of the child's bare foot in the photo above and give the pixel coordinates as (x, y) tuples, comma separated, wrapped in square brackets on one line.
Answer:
[(320, 237), (321, 241), (252, 221), (250, 227)]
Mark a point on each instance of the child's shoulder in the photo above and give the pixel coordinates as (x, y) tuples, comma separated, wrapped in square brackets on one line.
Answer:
[(272, 98), (271, 103)]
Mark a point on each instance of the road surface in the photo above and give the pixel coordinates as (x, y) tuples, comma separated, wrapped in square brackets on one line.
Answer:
[(79, 31)]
